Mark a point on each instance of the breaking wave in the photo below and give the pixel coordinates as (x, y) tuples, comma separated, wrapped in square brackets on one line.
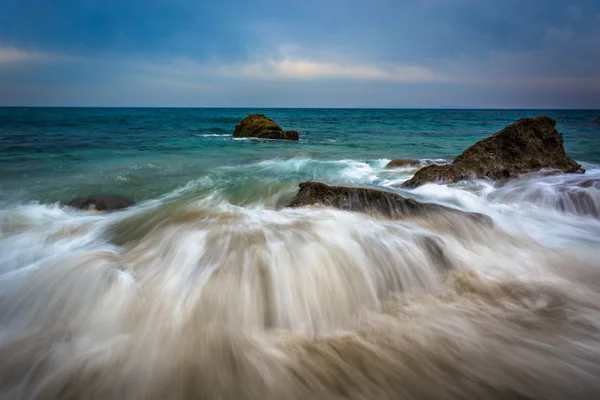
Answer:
[(217, 290)]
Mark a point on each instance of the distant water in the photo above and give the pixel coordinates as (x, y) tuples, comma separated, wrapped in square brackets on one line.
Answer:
[(52, 154), (211, 288)]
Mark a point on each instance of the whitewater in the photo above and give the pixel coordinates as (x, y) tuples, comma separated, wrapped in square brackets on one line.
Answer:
[(217, 290)]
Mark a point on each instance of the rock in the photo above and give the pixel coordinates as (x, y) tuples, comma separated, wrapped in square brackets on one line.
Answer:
[(528, 145), (403, 162), (407, 162), (100, 203), (292, 135), (259, 126), (371, 201)]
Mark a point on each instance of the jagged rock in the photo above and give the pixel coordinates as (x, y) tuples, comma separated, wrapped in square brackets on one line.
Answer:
[(100, 203), (371, 201), (528, 145), (259, 126)]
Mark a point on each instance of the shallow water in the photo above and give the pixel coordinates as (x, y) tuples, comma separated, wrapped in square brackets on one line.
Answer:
[(211, 288)]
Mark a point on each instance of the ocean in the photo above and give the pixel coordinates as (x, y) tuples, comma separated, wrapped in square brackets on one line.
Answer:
[(52, 154), (210, 287)]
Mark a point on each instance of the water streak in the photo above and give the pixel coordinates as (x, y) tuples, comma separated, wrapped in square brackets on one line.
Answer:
[(206, 293)]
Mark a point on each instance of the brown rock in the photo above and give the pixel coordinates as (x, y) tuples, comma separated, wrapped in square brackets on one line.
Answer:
[(403, 162), (371, 201), (292, 135), (261, 127), (528, 145), (407, 162)]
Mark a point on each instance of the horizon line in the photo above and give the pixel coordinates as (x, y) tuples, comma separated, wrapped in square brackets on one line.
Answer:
[(311, 108)]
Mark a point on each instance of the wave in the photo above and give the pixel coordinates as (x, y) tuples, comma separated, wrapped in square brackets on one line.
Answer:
[(343, 171), (214, 135), (233, 302), (217, 290), (579, 194), (264, 140)]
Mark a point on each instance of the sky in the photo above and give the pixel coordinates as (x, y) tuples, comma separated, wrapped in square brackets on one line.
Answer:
[(301, 53)]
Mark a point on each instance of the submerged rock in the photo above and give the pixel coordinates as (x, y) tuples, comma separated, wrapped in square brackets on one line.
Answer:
[(100, 203), (259, 126), (371, 201), (410, 163), (403, 162), (528, 145)]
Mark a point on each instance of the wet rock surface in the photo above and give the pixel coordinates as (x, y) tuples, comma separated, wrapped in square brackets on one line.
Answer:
[(528, 145), (101, 203), (372, 201), (403, 162), (260, 127)]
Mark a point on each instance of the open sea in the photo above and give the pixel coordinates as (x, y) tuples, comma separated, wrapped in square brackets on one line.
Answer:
[(210, 288)]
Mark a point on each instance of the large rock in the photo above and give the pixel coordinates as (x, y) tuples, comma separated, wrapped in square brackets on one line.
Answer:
[(528, 145), (100, 203), (371, 201), (259, 126)]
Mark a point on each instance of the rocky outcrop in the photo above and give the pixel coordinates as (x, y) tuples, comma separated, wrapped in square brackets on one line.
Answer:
[(528, 145), (100, 203), (260, 127), (371, 201)]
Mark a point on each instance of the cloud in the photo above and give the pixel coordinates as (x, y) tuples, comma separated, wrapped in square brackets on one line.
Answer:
[(12, 55), (295, 79), (309, 53), (305, 69), (292, 68)]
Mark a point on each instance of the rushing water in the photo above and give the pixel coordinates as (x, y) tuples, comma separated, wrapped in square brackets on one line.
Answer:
[(211, 288)]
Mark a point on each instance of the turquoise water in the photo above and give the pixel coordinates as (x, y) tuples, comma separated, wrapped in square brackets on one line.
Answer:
[(53, 154), (210, 287)]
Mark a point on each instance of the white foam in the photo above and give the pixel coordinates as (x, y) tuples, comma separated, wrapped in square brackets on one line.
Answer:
[(138, 293), (214, 135)]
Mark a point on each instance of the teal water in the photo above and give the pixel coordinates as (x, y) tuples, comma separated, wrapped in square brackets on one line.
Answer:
[(53, 154), (210, 287)]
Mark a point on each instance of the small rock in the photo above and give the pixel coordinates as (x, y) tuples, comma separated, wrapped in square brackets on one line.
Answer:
[(100, 203), (292, 135), (403, 162), (409, 163)]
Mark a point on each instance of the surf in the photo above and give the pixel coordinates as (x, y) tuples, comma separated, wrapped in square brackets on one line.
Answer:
[(194, 296)]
